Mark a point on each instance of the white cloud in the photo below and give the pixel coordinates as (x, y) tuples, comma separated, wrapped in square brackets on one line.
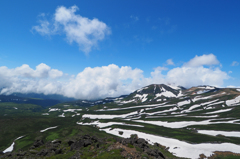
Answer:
[(192, 76), (234, 63), (100, 82), (42, 71), (43, 28), (170, 62), (206, 60), (135, 18), (81, 30)]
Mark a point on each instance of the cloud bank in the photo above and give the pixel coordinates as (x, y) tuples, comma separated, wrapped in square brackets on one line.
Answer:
[(111, 80), (81, 30)]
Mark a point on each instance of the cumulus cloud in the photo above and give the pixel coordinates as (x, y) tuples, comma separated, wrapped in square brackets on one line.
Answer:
[(170, 62), (81, 30), (206, 60), (192, 76), (105, 81), (42, 71), (234, 63)]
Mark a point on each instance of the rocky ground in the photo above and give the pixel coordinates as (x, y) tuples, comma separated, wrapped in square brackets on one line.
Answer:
[(87, 146)]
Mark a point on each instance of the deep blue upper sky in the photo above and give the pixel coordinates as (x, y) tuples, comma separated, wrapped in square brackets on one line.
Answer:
[(144, 35)]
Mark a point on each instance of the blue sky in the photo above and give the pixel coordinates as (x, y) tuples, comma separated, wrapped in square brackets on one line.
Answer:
[(134, 37)]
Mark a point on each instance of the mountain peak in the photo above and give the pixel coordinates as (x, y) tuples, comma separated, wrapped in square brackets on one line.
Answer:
[(154, 92)]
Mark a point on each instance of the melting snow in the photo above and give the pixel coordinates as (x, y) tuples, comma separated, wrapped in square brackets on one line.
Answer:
[(106, 116), (194, 106), (141, 106), (164, 111), (72, 110), (219, 111), (10, 148), (102, 125), (173, 87), (53, 109), (202, 91), (211, 116), (233, 102), (216, 103), (184, 149), (225, 133), (124, 102), (182, 124), (48, 128), (183, 103), (142, 97), (207, 87), (61, 115), (142, 89), (166, 94)]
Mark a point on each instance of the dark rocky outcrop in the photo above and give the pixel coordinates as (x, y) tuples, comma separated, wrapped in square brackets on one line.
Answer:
[(37, 143), (134, 147)]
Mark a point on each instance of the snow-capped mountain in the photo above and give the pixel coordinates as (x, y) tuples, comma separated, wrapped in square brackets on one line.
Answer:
[(153, 93)]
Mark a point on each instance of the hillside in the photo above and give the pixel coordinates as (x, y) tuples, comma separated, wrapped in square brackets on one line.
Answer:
[(203, 119)]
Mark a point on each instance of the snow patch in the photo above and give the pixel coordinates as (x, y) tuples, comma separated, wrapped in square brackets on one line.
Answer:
[(10, 148), (183, 103), (53, 109), (219, 111), (48, 128), (106, 116), (215, 133), (174, 87), (142, 97), (61, 115), (142, 89), (233, 102), (72, 110), (102, 125), (202, 91)]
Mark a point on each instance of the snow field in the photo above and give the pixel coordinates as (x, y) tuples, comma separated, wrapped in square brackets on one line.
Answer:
[(182, 124), (183, 149)]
